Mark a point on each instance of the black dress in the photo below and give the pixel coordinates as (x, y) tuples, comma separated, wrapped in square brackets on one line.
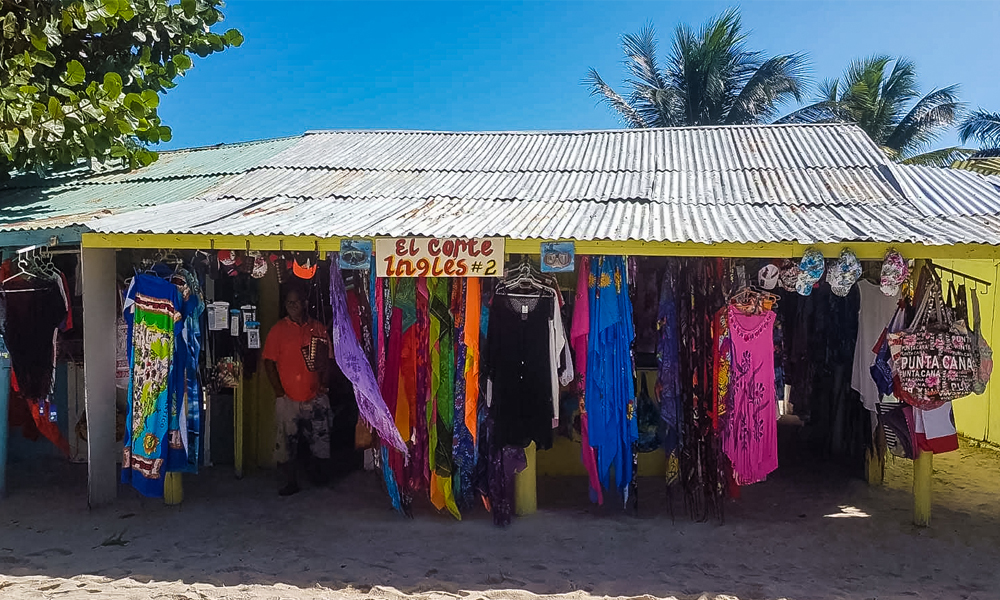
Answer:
[(29, 322), (518, 364)]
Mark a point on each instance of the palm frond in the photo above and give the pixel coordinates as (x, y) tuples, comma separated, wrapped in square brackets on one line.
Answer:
[(817, 112), (943, 157), (779, 78), (926, 120), (983, 126), (640, 57), (611, 98), (865, 101), (829, 90), (651, 95), (901, 84), (862, 69), (826, 108)]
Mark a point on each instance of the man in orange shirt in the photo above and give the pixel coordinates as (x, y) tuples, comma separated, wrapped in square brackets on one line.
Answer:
[(296, 357)]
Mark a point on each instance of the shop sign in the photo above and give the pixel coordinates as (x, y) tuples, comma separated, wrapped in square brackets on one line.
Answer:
[(439, 257)]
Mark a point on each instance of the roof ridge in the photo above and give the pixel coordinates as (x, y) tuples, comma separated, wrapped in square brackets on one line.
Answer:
[(222, 145), (581, 131)]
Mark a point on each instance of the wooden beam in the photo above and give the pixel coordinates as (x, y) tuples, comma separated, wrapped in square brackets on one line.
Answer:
[(864, 250), (67, 236)]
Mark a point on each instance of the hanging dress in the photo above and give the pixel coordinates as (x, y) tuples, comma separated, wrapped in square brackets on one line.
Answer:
[(519, 369), (751, 440)]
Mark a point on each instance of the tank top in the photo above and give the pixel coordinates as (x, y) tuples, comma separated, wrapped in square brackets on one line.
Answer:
[(751, 440)]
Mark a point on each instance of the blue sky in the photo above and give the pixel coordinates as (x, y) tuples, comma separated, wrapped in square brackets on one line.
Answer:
[(518, 65)]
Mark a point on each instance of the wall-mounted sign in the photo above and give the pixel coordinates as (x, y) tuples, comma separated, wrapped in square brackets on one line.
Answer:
[(439, 257), (558, 257), (355, 255)]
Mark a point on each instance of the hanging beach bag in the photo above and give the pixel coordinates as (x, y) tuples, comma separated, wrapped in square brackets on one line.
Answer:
[(933, 358), (364, 438), (981, 350), (649, 420)]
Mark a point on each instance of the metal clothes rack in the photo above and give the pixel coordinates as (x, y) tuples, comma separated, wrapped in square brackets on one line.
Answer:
[(959, 274)]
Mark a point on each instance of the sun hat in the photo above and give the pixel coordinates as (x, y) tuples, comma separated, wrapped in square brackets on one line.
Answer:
[(844, 272), (894, 273), (768, 276), (788, 275), (304, 266), (811, 269)]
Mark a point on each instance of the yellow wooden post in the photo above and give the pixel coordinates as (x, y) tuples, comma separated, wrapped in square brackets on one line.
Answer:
[(923, 468), (238, 426), (173, 489), (526, 485), (875, 458)]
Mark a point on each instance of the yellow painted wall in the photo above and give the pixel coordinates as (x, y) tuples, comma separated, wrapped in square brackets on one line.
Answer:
[(564, 456), (978, 417), (258, 404)]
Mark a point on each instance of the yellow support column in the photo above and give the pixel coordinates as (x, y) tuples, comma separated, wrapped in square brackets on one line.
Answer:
[(526, 485), (923, 468), (238, 427), (173, 489)]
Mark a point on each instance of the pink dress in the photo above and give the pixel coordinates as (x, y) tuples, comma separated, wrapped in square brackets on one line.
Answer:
[(751, 436)]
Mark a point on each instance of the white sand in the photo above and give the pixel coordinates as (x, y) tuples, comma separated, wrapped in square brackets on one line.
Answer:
[(237, 539)]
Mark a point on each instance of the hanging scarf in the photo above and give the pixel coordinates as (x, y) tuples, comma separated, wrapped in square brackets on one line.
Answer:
[(578, 340), (153, 315), (610, 394), (440, 426), (420, 466), (668, 379), (463, 446), (473, 310), (351, 360)]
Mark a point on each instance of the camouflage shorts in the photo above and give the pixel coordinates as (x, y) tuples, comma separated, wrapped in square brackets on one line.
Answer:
[(310, 420)]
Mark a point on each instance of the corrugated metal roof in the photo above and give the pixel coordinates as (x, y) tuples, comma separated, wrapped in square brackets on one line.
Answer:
[(580, 220), (684, 149), (939, 191), (804, 183), (787, 187), (29, 202)]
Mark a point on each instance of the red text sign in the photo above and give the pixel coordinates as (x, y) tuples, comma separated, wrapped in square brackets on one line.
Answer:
[(439, 257)]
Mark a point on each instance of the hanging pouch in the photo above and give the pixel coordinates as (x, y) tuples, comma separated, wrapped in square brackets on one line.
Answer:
[(982, 351), (881, 367), (933, 358)]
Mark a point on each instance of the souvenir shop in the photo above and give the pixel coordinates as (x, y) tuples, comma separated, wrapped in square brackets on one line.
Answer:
[(460, 363)]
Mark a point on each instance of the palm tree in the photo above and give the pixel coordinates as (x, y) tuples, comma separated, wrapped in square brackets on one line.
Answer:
[(710, 78), (982, 126), (876, 99)]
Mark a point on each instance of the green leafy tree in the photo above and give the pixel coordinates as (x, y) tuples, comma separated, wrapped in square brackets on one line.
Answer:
[(982, 126), (885, 102), (83, 78), (710, 78)]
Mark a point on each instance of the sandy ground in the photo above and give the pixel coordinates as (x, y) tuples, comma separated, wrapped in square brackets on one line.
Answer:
[(806, 533)]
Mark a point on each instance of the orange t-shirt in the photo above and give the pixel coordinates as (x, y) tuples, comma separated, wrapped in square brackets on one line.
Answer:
[(284, 345)]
